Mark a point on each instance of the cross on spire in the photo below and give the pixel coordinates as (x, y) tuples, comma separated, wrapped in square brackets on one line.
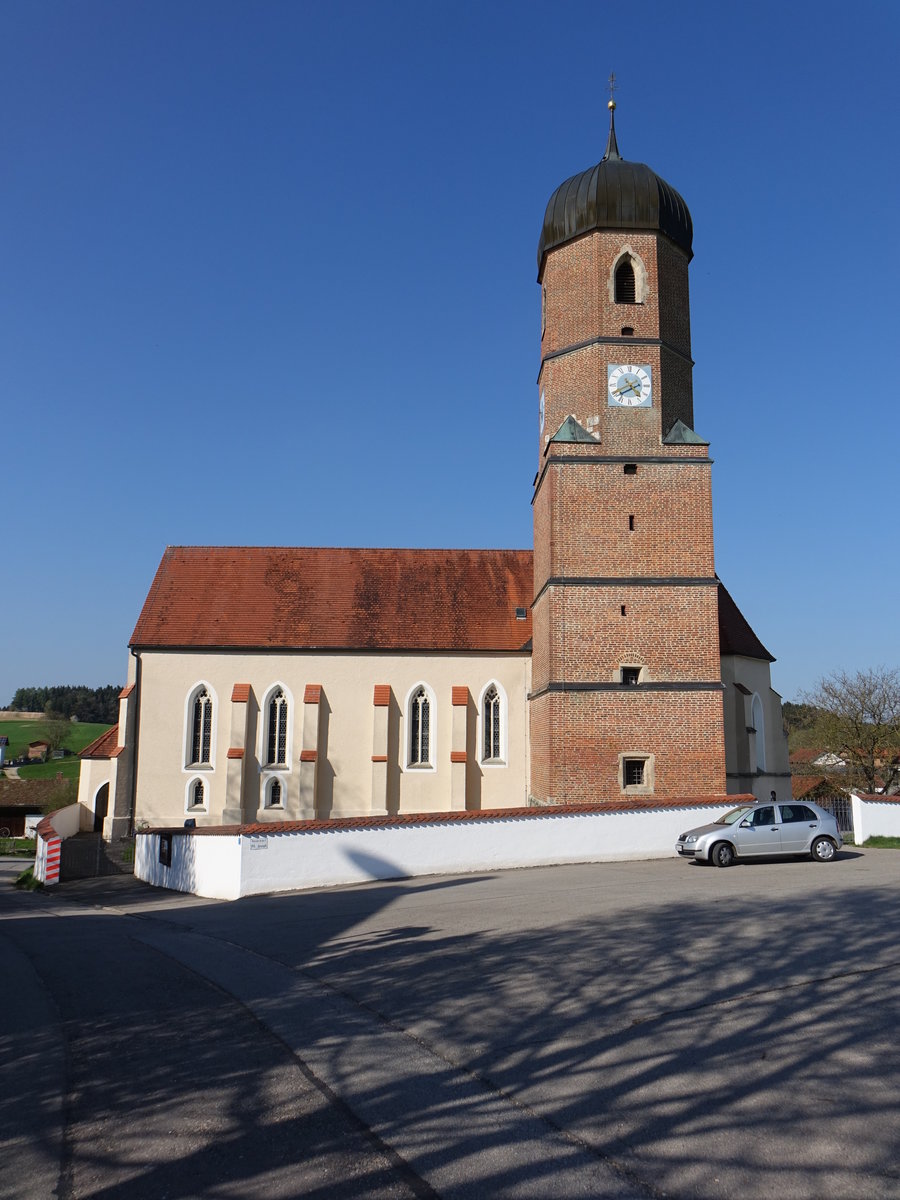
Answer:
[(612, 149)]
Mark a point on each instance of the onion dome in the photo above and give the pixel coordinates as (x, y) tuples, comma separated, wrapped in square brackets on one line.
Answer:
[(615, 194)]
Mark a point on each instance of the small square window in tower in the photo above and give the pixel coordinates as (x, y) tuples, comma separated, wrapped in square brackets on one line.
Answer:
[(631, 675), (633, 772)]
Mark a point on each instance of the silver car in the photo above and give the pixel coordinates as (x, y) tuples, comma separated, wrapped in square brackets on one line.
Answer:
[(760, 830)]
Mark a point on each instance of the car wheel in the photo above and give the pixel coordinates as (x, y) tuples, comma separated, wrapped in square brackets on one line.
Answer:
[(722, 854), (823, 849)]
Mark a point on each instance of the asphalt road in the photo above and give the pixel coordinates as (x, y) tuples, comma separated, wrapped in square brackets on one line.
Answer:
[(620, 1030)]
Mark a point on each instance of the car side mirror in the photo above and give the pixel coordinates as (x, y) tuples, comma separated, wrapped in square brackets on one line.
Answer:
[(746, 825)]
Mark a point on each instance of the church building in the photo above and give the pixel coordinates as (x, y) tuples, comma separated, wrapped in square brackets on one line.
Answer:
[(609, 664)]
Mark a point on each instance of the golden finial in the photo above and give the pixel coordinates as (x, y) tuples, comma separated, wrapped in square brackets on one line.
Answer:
[(612, 149)]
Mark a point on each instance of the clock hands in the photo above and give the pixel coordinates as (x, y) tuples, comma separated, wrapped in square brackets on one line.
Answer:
[(629, 385)]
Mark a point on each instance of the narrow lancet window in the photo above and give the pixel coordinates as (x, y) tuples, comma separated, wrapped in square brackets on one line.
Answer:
[(491, 717), (277, 739), (419, 729), (201, 737), (625, 288)]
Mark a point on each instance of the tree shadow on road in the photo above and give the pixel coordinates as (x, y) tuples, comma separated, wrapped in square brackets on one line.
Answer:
[(707, 1047)]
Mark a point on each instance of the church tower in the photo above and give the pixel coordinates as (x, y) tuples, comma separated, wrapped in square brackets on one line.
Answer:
[(626, 696)]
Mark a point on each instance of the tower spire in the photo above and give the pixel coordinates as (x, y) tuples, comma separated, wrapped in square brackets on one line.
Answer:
[(612, 147)]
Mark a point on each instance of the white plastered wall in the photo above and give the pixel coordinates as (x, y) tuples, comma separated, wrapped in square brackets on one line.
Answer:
[(873, 817), (225, 866), (754, 675), (344, 785)]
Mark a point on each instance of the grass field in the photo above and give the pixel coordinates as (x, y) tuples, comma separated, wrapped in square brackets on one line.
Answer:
[(20, 733), (69, 768), (17, 847)]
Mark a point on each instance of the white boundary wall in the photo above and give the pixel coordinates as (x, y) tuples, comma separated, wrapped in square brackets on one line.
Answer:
[(875, 817), (229, 865)]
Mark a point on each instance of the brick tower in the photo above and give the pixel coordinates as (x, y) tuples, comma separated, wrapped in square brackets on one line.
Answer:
[(626, 693)]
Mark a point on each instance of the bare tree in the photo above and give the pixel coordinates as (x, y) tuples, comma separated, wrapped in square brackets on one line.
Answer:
[(57, 728), (859, 720)]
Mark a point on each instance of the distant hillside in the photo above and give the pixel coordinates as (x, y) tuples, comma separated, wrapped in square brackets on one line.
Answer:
[(100, 705)]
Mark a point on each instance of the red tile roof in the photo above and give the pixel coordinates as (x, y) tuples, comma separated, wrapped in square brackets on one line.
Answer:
[(804, 755), (329, 598), (804, 785), (240, 693), (102, 746), (321, 598), (30, 795)]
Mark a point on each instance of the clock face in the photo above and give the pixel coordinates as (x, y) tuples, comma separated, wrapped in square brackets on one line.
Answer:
[(629, 386)]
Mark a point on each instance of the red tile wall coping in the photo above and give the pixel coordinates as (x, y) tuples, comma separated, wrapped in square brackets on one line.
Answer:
[(639, 804), (382, 695), (312, 693), (460, 696), (240, 693), (45, 828), (457, 756), (235, 752), (308, 755), (126, 691)]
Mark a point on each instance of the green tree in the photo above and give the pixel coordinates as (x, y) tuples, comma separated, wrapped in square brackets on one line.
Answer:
[(859, 720)]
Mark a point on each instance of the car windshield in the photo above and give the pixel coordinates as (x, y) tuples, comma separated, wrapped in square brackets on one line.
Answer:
[(735, 815)]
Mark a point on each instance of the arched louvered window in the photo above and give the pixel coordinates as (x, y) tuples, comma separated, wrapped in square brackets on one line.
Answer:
[(276, 729), (201, 729), (275, 794), (625, 286), (198, 794), (491, 718), (759, 741), (419, 729)]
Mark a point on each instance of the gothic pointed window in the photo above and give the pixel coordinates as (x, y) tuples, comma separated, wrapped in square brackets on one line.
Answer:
[(199, 751), (276, 729), (491, 717), (625, 285), (196, 796), (420, 728), (758, 743)]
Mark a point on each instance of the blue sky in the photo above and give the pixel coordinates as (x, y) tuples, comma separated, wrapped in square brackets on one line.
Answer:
[(268, 277)]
